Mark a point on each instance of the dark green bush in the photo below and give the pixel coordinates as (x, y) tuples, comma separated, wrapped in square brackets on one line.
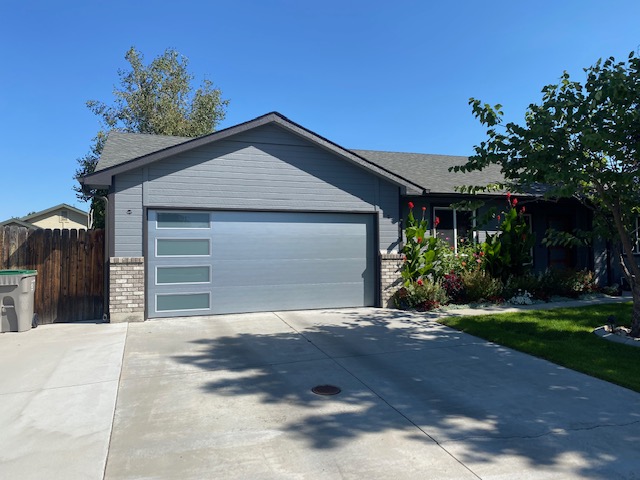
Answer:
[(524, 283), (566, 283), (480, 286), (420, 295)]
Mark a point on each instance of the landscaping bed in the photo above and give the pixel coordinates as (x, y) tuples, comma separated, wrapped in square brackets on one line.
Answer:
[(496, 271)]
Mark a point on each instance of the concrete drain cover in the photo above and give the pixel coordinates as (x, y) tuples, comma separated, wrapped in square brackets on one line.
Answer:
[(326, 390)]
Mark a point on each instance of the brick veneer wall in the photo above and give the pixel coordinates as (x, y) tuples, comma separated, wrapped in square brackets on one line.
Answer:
[(390, 279), (126, 289)]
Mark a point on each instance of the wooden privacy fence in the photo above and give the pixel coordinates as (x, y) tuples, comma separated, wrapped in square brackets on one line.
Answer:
[(70, 265)]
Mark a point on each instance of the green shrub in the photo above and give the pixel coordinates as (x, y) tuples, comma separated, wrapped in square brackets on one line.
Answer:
[(421, 295), (524, 283), (566, 283), (614, 290), (469, 257), (480, 286)]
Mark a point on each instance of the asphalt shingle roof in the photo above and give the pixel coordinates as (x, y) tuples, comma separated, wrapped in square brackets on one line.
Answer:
[(431, 171), (121, 147)]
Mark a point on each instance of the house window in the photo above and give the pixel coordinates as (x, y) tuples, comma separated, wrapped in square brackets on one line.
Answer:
[(454, 225), (559, 256), (64, 215)]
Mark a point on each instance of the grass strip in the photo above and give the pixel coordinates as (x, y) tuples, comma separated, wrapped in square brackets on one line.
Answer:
[(563, 336)]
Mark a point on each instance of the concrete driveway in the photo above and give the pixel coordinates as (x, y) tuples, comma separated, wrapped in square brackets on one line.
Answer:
[(229, 397), (58, 386)]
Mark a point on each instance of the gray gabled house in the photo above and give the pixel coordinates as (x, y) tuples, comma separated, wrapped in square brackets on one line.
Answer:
[(266, 215)]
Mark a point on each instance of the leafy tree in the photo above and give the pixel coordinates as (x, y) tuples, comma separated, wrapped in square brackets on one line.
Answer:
[(582, 141), (157, 98)]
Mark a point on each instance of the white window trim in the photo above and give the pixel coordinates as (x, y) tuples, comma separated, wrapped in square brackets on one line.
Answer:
[(636, 244)]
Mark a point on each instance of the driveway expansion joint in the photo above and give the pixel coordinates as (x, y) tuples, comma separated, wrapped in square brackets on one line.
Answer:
[(115, 404), (59, 387), (555, 431)]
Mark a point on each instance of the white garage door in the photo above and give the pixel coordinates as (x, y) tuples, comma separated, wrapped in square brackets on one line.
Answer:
[(202, 263)]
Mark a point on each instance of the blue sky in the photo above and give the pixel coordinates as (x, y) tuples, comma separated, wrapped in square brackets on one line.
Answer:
[(370, 74)]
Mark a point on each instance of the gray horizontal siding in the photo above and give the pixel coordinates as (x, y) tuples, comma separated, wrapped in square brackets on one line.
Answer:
[(267, 168), (234, 175), (128, 226), (270, 134), (389, 220)]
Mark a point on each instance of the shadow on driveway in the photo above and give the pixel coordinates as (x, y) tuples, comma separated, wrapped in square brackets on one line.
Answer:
[(411, 388)]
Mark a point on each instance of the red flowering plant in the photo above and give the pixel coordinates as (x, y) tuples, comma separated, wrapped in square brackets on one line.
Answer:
[(453, 286), (508, 252), (422, 288), (420, 251)]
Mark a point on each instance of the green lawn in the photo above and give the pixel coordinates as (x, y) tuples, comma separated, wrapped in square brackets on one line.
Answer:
[(563, 336)]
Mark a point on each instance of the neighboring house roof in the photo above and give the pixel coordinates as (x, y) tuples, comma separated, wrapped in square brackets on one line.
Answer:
[(62, 206), (124, 151), (27, 220), (18, 222), (432, 171)]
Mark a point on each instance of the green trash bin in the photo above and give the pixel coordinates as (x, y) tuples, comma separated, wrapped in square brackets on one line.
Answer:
[(17, 288)]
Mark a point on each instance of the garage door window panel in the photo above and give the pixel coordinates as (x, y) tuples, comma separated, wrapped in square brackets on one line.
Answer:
[(182, 220), (183, 275), (183, 247), (182, 301)]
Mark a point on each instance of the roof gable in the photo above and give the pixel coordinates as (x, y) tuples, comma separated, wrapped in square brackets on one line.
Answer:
[(35, 216), (151, 148), (52, 210)]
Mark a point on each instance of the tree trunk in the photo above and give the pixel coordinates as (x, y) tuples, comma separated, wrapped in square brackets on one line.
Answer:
[(635, 315), (630, 267)]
